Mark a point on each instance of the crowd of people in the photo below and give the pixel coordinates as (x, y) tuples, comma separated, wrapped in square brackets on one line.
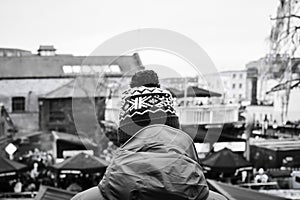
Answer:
[(39, 173), (36, 174)]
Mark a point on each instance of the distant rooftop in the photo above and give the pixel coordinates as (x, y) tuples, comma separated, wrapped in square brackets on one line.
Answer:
[(233, 192), (46, 50), (11, 52), (46, 47), (16, 63), (277, 145), (52, 193)]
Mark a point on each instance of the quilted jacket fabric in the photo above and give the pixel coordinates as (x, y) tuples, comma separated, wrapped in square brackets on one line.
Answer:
[(158, 162)]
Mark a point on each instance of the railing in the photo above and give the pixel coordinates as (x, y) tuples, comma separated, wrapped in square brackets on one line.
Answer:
[(20, 195), (208, 114), (205, 114)]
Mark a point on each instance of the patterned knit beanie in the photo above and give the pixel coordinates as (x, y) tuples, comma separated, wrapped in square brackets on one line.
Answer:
[(145, 103)]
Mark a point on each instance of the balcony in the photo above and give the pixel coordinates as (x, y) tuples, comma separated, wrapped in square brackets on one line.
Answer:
[(205, 114), (208, 114)]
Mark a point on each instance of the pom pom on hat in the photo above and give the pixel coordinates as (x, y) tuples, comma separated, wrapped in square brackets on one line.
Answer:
[(146, 78)]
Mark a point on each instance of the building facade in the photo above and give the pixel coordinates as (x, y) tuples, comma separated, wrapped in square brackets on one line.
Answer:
[(232, 85), (274, 81), (25, 77), (179, 82)]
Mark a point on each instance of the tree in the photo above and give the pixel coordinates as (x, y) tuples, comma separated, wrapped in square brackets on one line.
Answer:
[(285, 40)]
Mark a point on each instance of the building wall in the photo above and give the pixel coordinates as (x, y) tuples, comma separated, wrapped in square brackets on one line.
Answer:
[(269, 73), (28, 121), (271, 158), (264, 158), (31, 76), (293, 108), (233, 85), (57, 114), (6, 52), (257, 113), (30, 89)]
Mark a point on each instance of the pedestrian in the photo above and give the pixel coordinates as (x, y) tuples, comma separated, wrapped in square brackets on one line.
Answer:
[(18, 186), (156, 159)]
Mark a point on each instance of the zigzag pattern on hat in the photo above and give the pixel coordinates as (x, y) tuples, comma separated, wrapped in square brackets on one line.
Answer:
[(144, 90), (139, 100)]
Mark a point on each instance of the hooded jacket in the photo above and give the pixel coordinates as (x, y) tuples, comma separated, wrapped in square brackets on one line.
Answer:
[(158, 162)]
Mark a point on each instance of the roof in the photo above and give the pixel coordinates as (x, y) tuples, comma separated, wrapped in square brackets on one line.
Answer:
[(237, 193), (47, 48), (35, 66), (7, 165), (12, 52), (193, 91), (25, 87), (225, 160), (72, 89), (74, 138), (227, 72), (82, 162), (283, 86), (51, 193), (278, 145)]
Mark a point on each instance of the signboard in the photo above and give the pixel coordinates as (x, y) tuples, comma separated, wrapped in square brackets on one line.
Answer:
[(295, 180), (202, 147), (70, 172), (233, 146), (71, 153), (10, 149)]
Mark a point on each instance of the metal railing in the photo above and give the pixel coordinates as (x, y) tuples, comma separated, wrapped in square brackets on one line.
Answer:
[(205, 114), (208, 114)]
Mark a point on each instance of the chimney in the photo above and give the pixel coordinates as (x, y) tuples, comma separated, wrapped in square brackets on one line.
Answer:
[(46, 50)]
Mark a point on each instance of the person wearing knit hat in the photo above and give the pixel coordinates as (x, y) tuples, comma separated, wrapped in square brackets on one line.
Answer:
[(144, 104), (156, 159)]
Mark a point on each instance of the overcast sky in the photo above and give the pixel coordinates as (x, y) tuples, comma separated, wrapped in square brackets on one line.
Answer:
[(232, 32)]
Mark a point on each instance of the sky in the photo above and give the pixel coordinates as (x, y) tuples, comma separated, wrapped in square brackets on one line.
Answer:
[(231, 32)]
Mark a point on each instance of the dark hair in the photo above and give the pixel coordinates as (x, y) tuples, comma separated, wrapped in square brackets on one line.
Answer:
[(127, 131)]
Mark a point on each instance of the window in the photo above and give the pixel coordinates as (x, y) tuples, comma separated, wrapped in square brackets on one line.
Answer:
[(233, 75), (115, 69), (76, 68), (67, 69), (2, 129), (233, 86), (56, 113), (241, 76), (18, 104), (240, 85), (240, 96), (56, 116)]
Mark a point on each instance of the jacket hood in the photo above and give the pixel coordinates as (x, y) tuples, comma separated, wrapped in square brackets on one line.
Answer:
[(158, 162)]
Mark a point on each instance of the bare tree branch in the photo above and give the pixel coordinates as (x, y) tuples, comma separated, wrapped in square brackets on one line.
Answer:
[(287, 16)]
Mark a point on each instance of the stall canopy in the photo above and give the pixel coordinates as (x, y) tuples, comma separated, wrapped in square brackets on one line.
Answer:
[(10, 167), (232, 192), (81, 162), (51, 193), (193, 91), (225, 161)]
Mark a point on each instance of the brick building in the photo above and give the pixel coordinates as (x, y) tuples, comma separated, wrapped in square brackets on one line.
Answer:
[(25, 77)]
